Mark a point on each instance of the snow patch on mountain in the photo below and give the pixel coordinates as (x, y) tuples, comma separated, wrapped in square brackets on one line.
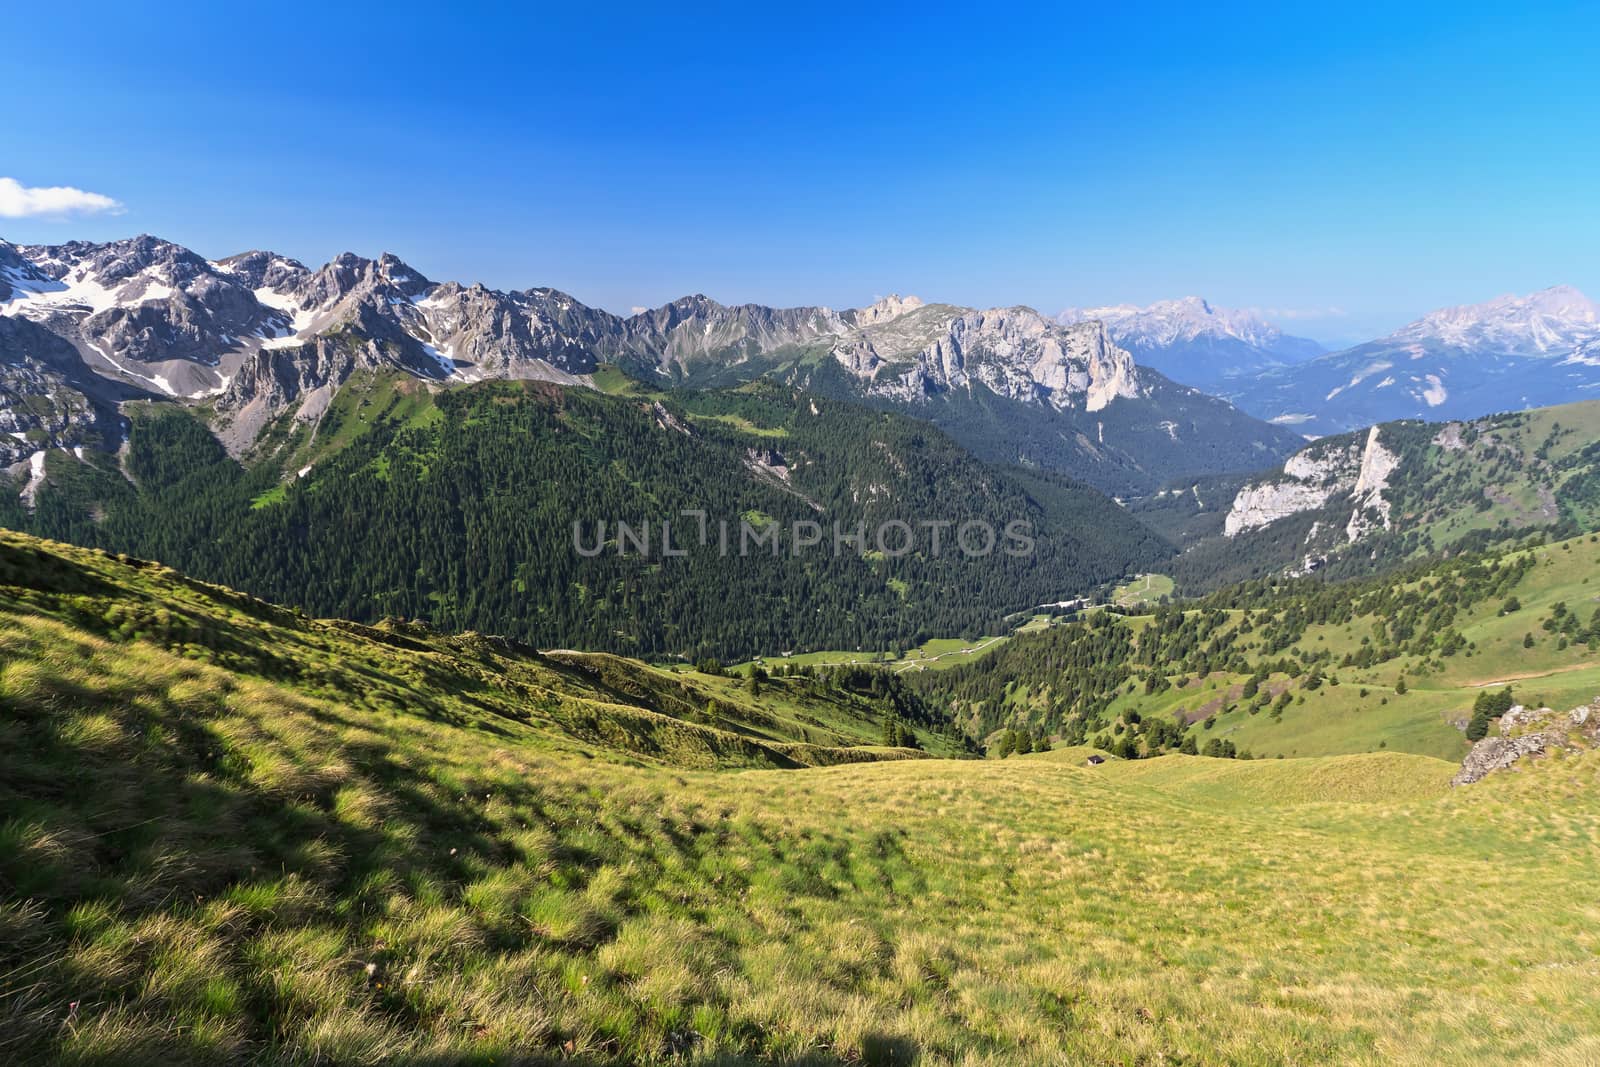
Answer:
[(1552, 320), (1169, 322)]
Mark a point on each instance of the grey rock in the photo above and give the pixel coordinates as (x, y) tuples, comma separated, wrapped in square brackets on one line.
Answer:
[(259, 335), (1528, 732), (1497, 753)]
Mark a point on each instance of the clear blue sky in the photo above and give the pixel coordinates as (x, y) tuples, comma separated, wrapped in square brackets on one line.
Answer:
[(1382, 161)]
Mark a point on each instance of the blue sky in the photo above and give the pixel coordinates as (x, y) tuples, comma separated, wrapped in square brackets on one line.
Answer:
[(1380, 161)]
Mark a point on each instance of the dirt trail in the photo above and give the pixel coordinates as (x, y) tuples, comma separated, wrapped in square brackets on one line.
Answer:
[(922, 661), (1527, 675)]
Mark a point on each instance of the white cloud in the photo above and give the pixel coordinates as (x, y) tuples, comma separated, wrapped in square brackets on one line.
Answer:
[(18, 201)]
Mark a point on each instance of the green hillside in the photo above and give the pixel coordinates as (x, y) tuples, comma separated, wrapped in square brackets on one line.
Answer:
[(460, 506), (52, 593), (232, 832), (1307, 667), (1459, 485)]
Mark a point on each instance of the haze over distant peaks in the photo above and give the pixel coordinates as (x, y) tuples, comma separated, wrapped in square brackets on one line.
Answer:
[(1195, 342), (1504, 354), (1556, 319)]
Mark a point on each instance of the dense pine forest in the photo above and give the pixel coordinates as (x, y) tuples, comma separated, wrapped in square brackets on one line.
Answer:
[(459, 509)]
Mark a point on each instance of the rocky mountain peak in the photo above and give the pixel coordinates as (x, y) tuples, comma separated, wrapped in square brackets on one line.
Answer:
[(1552, 320), (1196, 341), (402, 276), (1186, 319), (259, 269), (258, 333), (889, 307)]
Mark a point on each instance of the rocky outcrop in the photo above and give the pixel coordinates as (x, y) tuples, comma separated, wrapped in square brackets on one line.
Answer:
[(898, 348), (1527, 732), (1013, 352), (1335, 471), (48, 398), (1496, 754), (1369, 507), (1310, 478), (1262, 505)]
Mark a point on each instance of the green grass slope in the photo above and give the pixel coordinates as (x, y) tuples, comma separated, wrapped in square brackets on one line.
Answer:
[(568, 700), (1305, 668), (230, 833)]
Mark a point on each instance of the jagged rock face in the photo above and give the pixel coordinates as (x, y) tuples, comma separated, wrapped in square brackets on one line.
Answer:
[(1310, 479), (17, 274), (140, 301), (1370, 508), (273, 380), (890, 307), (1528, 732), (898, 348), (157, 316), (1262, 505), (266, 270), (259, 334), (489, 334), (48, 399), (1317, 476), (906, 350), (697, 330)]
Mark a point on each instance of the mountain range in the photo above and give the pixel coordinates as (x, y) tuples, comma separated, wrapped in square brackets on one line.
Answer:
[(1194, 342), (257, 336), (1509, 353)]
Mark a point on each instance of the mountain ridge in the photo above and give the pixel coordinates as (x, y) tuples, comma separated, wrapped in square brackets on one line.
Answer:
[(1457, 362), (1197, 343), (256, 335)]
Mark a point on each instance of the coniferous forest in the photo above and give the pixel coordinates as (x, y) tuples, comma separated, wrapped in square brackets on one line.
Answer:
[(461, 514)]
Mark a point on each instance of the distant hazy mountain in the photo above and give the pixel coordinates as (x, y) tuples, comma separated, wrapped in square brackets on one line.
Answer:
[(1194, 342), (257, 336), (1462, 362)]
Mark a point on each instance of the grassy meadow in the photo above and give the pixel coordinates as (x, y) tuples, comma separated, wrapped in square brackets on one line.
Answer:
[(232, 833)]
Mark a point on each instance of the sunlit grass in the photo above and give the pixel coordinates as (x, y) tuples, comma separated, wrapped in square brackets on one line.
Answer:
[(200, 864)]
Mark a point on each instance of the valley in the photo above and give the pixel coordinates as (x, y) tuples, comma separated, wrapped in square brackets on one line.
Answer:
[(374, 686), (236, 831), (637, 535)]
